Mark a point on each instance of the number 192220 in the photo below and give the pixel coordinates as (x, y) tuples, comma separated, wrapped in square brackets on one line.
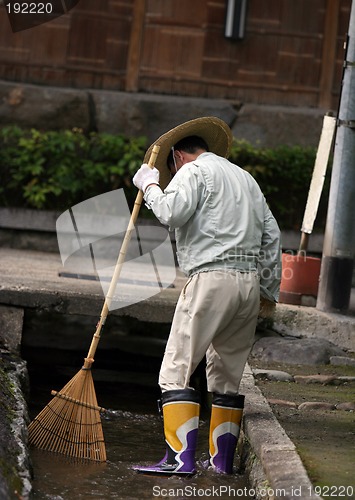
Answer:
[(29, 8)]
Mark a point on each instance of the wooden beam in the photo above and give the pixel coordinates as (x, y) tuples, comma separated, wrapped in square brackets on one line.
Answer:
[(135, 45), (329, 53)]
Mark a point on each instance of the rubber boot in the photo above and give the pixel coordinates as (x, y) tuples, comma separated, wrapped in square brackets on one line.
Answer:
[(226, 416), (181, 410)]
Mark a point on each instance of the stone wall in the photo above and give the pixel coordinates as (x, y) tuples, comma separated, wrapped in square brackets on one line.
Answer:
[(15, 477), (151, 115)]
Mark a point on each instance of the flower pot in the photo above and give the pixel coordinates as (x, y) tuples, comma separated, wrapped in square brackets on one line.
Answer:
[(300, 279)]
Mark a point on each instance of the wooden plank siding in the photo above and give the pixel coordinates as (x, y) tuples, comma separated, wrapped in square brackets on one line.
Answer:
[(292, 52), (87, 47)]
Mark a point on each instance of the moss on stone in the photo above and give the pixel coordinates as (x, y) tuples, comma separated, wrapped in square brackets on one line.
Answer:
[(10, 478)]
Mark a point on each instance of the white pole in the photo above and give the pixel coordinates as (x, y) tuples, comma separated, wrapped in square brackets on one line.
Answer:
[(320, 167)]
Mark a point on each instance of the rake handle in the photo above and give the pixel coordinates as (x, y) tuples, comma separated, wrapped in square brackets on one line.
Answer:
[(120, 261)]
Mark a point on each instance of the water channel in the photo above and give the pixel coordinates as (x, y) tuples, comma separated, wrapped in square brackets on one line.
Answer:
[(132, 430)]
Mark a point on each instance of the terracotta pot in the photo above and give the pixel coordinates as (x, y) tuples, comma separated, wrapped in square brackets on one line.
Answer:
[(300, 277)]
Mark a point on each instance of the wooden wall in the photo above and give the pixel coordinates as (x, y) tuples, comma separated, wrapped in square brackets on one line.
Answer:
[(86, 47), (291, 54)]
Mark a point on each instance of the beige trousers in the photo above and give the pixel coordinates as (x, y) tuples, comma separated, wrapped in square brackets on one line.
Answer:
[(216, 316)]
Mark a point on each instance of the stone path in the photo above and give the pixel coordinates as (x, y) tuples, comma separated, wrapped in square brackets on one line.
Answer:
[(281, 376)]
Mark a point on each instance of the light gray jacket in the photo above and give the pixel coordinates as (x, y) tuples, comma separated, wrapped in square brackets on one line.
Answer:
[(221, 220)]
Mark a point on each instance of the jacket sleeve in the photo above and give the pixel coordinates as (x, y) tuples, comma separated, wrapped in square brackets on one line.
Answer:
[(270, 257), (178, 202)]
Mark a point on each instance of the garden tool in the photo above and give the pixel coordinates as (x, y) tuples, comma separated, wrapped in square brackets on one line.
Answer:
[(70, 423)]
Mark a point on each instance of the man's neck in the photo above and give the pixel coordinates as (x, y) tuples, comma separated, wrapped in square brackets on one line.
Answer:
[(193, 156)]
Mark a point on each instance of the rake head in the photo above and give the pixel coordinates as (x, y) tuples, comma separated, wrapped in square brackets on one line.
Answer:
[(71, 424)]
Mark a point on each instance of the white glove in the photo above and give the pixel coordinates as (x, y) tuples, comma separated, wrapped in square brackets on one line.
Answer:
[(145, 176)]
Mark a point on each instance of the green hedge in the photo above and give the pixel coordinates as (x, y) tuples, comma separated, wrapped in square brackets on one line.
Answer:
[(57, 169)]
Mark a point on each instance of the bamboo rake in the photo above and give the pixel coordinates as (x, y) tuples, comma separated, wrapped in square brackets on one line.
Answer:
[(71, 424)]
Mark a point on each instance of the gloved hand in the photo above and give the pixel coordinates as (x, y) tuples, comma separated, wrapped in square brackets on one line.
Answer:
[(145, 176)]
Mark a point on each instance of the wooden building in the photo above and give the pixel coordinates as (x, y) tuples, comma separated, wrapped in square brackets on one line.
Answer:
[(291, 53)]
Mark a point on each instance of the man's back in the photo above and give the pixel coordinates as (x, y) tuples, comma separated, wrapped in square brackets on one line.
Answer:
[(227, 225)]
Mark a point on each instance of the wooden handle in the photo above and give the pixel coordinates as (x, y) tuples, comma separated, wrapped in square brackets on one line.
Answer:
[(119, 264)]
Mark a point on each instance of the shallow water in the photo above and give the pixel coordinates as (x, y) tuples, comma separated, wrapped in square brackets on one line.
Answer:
[(132, 436)]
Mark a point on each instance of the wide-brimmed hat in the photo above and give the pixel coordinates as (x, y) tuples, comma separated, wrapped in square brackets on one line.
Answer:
[(214, 131)]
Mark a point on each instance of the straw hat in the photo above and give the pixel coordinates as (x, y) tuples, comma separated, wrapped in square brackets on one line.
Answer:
[(214, 131)]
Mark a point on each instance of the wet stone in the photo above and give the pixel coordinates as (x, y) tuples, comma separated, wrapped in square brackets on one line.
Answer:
[(11, 321), (276, 375), (347, 406), (299, 351), (342, 361), (316, 379), (346, 380), (14, 456), (316, 405), (282, 402)]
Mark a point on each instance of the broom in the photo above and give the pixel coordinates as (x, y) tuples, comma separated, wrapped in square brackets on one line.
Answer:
[(70, 424)]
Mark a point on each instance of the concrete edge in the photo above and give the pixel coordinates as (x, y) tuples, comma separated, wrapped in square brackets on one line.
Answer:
[(284, 473), (310, 322)]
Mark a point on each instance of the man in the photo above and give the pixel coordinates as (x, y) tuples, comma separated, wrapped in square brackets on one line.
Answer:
[(228, 244)]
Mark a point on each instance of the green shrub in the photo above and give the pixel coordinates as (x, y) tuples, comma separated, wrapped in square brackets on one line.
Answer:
[(57, 169)]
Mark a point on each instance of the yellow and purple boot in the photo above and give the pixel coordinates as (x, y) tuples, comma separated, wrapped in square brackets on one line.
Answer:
[(181, 410), (226, 416)]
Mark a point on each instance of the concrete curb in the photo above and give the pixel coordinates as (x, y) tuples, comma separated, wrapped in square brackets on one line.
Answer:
[(284, 474)]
